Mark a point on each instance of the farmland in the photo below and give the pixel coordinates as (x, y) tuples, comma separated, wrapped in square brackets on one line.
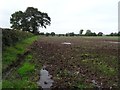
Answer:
[(73, 65)]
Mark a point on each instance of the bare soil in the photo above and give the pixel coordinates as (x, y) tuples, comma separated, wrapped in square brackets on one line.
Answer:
[(75, 64)]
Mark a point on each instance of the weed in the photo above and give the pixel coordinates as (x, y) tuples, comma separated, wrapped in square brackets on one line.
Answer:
[(29, 58), (109, 71), (26, 68)]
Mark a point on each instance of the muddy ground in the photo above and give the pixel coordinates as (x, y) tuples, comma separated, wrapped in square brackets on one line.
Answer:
[(77, 64)]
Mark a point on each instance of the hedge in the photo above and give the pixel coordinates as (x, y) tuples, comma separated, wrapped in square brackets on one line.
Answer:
[(10, 37)]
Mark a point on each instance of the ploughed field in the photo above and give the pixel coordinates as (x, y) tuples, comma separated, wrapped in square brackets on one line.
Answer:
[(79, 62), (73, 62)]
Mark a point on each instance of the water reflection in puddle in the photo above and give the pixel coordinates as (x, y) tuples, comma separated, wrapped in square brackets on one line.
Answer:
[(66, 43), (45, 79)]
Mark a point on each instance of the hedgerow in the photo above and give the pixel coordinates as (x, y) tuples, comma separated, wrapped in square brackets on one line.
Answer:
[(10, 37)]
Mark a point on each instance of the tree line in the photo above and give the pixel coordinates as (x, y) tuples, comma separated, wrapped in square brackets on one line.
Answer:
[(87, 33)]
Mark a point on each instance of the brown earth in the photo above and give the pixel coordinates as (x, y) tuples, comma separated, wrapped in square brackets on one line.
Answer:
[(65, 62)]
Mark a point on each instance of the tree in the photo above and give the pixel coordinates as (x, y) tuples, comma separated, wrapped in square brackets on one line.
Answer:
[(93, 34), (113, 34), (118, 33), (67, 34), (88, 33), (41, 33), (100, 34), (81, 31), (47, 34), (71, 34), (30, 20), (17, 20), (52, 33)]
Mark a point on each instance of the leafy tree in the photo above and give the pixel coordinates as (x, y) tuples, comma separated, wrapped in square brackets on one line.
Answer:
[(47, 34), (67, 34), (100, 34), (52, 33), (118, 33), (81, 31), (41, 33), (17, 20), (114, 34), (59, 35), (30, 20), (71, 34), (88, 33), (93, 34)]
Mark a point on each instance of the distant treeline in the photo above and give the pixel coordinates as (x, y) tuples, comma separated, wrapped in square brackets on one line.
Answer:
[(10, 37), (88, 33)]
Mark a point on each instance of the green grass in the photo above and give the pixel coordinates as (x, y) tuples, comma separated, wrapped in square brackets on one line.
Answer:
[(11, 53), (26, 69), (29, 57), (82, 86), (24, 76), (107, 70), (0, 84), (101, 66), (18, 84)]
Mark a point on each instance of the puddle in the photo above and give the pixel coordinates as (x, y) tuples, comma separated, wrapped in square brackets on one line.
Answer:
[(45, 79), (66, 43), (115, 42)]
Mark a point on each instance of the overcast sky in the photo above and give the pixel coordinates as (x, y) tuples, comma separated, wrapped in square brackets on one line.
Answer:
[(68, 15)]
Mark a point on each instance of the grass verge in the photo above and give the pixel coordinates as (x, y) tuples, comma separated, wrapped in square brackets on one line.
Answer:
[(11, 53), (22, 76)]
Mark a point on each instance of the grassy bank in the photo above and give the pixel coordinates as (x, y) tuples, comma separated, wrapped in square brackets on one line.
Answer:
[(21, 76), (11, 53), (24, 71)]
